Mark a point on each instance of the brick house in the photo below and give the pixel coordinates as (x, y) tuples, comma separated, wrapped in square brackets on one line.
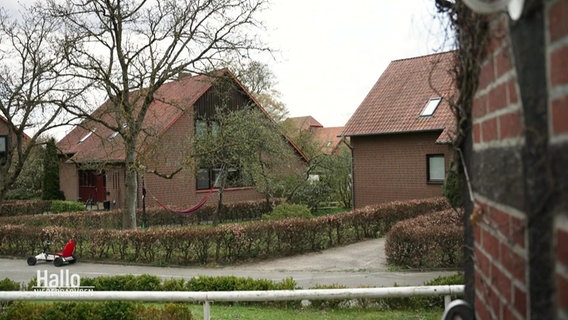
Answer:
[(9, 140), (401, 133), (327, 137), (93, 167), (4, 141), (517, 151)]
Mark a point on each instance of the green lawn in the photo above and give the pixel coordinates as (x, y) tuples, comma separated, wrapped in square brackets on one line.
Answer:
[(224, 312)]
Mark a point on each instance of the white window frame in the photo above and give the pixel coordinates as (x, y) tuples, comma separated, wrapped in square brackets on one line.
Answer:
[(434, 174), (430, 107)]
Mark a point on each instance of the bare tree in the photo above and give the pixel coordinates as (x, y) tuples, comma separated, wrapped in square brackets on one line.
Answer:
[(35, 88), (129, 48), (261, 82), (245, 148)]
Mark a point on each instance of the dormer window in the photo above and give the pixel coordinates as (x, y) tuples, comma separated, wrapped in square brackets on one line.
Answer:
[(86, 136), (430, 107)]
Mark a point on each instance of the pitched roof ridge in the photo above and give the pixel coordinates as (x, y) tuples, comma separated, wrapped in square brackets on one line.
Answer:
[(425, 56)]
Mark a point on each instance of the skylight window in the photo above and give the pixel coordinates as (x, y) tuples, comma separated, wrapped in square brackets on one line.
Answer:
[(86, 136), (113, 135), (430, 107)]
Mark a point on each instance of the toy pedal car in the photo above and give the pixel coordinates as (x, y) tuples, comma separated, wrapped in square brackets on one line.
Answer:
[(65, 256)]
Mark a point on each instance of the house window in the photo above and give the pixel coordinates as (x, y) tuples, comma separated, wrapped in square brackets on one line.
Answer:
[(436, 168), (87, 136), (204, 126), (86, 178), (200, 127), (3, 148), (207, 178), (430, 107)]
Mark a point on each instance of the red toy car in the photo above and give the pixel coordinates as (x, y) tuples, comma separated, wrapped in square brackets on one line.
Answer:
[(64, 257)]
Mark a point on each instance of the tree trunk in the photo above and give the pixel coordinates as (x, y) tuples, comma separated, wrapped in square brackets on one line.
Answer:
[(131, 195)]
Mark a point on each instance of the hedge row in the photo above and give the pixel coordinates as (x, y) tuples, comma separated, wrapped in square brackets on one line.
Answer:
[(430, 241), (223, 244), (157, 216), (24, 207), (146, 282), (124, 310)]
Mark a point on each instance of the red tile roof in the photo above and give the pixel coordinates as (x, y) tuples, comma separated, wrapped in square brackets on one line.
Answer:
[(305, 123), (170, 102), (396, 100), (329, 138)]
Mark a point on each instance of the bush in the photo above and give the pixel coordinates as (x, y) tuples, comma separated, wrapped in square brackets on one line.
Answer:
[(288, 210), (120, 310), (59, 206), (73, 214), (147, 282), (9, 285), (203, 244), (23, 207), (430, 241)]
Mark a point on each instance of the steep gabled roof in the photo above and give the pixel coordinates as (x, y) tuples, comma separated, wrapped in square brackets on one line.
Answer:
[(92, 141), (396, 101), (4, 120), (329, 138), (304, 123)]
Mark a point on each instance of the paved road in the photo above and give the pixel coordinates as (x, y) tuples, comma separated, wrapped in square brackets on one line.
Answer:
[(355, 265)]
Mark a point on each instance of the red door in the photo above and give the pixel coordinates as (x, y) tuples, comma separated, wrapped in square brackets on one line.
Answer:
[(92, 185)]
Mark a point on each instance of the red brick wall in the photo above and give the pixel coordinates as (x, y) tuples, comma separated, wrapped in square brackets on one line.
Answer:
[(180, 192), (503, 260), (557, 18), (500, 250), (394, 167), (69, 181)]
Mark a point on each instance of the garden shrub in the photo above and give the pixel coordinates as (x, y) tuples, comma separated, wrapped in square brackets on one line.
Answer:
[(146, 282), (70, 217), (430, 241), (119, 310), (9, 285), (59, 206), (186, 245), (24, 207), (288, 210)]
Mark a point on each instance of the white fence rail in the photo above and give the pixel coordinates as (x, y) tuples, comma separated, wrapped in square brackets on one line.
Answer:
[(211, 296)]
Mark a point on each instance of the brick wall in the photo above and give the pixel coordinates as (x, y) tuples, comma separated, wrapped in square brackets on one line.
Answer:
[(394, 167), (500, 249), (557, 50), (518, 168), (180, 191)]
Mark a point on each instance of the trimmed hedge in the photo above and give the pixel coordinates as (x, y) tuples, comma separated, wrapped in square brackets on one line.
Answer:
[(157, 216), (24, 207), (147, 282), (119, 310), (206, 244), (431, 241), (59, 206)]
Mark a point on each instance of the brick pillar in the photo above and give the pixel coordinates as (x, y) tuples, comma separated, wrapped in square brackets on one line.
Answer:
[(519, 167), (500, 237), (557, 49)]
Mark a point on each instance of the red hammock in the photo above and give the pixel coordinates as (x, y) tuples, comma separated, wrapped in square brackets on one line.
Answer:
[(189, 210)]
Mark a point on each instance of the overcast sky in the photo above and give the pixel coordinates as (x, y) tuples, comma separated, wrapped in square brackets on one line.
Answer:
[(333, 51)]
